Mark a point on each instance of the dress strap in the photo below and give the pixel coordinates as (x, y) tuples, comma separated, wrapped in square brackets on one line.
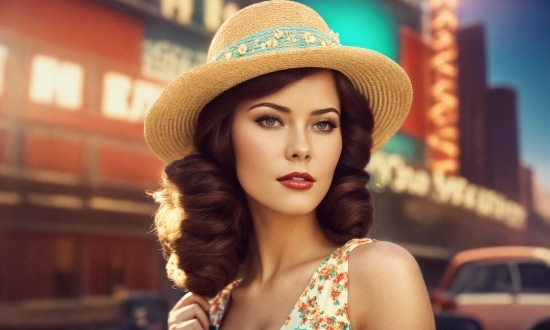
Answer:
[(342, 254), (324, 302), (219, 303)]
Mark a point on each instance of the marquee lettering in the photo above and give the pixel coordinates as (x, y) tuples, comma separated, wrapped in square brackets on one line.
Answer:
[(392, 171), (442, 137), (215, 12), (180, 10), (55, 82), (164, 60), (127, 99), (448, 189), (60, 83)]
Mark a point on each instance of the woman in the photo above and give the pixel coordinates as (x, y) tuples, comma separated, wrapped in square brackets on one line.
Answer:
[(264, 199)]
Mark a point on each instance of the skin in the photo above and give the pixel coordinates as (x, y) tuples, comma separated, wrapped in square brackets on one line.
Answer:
[(298, 129)]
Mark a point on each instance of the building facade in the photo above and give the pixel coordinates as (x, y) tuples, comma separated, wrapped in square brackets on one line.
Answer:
[(77, 78)]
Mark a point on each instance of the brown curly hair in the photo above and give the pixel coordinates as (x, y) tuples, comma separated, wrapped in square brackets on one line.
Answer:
[(203, 222)]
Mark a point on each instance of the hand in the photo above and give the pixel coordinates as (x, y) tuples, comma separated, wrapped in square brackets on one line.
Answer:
[(189, 313)]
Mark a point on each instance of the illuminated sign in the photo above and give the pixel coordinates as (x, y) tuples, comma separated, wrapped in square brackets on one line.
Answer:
[(56, 82), (60, 83), (391, 171), (179, 10), (3, 60), (443, 134), (165, 60), (214, 12), (127, 99)]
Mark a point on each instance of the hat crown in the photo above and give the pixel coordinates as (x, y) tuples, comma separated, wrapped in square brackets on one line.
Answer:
[(263, 16)]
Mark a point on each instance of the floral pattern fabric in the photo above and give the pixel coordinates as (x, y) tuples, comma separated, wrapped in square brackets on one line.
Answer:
[(324, 302), (278, 38)]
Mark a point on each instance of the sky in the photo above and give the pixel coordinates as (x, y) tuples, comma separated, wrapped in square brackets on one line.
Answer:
[(517, 36)]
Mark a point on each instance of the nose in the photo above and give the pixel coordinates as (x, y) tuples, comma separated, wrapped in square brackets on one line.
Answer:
[(298, 147)]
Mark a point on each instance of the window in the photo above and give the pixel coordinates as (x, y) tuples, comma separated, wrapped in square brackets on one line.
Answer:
[(66, 274), (482, 278), (535, 277)]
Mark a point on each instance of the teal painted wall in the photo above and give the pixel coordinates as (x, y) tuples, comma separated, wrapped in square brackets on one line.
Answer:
[(371, 24)]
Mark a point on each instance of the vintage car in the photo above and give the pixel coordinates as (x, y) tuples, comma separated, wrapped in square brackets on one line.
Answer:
[(499, 287)]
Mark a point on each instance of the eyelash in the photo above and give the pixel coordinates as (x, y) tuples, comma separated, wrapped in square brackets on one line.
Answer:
[(332, 125), (260, 121)]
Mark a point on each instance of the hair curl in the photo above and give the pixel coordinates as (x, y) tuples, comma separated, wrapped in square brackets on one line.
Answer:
[(203, 222)]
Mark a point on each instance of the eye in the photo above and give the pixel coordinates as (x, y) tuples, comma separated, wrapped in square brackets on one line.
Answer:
[(324, 126), (269, 122)]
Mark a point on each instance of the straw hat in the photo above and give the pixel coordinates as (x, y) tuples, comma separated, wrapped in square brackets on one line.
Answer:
[(266, 37)]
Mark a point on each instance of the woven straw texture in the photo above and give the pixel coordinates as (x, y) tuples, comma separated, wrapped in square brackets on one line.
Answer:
[(170, 124)]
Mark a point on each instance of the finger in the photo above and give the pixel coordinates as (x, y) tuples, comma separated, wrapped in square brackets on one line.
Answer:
[(182, 301), (190, 325), (180, 315), (202, 301), (187, 325), (191, 298), (201, 315), (189, 312)]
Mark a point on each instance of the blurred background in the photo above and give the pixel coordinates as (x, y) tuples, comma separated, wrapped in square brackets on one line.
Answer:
[(470, 167)]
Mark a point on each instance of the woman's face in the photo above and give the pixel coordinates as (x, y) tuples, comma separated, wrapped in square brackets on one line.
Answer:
[(287, 145)]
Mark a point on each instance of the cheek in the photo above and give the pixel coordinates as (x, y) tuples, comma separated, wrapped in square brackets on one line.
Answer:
[(334, 151), (252, 153), (329, 153)]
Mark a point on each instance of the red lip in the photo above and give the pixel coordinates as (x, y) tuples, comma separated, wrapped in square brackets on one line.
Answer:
[(303, 175), (306, 183)]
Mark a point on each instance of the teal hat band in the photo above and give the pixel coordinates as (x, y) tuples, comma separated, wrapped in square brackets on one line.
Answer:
[(275, 39)]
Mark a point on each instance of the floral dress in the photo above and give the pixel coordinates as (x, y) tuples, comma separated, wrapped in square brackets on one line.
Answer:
[(324, 302)]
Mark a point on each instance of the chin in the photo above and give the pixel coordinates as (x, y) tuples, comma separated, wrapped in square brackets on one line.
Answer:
[(286, 206), (297, 212), (296, 207)]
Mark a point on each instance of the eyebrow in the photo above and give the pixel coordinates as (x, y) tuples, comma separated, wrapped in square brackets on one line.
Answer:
[(287, 110)]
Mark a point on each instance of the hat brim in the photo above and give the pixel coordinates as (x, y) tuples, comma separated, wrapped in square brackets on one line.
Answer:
[(170, 124)]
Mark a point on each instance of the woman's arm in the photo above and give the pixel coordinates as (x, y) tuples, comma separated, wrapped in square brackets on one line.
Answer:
[(386, 289)]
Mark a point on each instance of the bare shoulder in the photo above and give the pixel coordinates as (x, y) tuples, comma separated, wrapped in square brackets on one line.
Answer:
[(380, 257), (386, 289)]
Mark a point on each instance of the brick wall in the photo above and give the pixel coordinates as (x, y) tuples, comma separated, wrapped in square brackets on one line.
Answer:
[(77, 25), (55, 154), (72, 102)]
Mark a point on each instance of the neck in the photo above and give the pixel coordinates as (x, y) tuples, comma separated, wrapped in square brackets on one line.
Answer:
[(282, 242)]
